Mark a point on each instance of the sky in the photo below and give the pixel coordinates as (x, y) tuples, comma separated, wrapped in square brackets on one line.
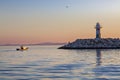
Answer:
[(37, 21)]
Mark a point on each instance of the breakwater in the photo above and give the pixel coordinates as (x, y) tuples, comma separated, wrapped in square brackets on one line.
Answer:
[(100, 43)]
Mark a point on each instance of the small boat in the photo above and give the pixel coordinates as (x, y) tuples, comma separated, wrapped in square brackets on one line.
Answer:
[(22, 48)]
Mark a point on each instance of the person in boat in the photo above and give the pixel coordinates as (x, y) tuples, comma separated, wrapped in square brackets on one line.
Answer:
[(22, 47)]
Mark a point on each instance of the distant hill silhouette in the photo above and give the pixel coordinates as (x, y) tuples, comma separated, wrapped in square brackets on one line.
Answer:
[(49, 43), (45, 43)]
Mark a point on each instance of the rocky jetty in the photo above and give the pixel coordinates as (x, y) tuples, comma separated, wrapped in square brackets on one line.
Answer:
[(97, 43)]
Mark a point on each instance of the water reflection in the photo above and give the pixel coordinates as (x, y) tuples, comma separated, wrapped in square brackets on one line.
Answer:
[(98, 57), (107, 67), (49, 63)]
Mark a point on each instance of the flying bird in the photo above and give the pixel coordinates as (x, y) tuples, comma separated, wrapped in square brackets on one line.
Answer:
[(67, 6)]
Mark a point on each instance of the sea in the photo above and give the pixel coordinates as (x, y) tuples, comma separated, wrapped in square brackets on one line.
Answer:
[(49, 63)]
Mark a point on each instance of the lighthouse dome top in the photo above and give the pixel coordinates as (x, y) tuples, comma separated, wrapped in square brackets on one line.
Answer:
[(98, 25)]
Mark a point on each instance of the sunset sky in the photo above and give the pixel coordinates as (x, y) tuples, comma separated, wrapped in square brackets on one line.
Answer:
[(37, 21)]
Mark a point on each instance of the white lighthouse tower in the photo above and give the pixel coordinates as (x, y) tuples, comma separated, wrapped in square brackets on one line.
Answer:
[(98, 27)]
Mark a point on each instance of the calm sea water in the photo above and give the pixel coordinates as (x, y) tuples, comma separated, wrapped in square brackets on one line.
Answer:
[(50, 63)]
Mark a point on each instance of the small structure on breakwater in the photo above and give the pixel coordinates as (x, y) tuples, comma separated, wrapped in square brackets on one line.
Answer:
[(97, 43), (98, 34)]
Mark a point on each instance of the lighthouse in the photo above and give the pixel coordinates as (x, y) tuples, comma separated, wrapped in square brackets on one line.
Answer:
[(98, 27)]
